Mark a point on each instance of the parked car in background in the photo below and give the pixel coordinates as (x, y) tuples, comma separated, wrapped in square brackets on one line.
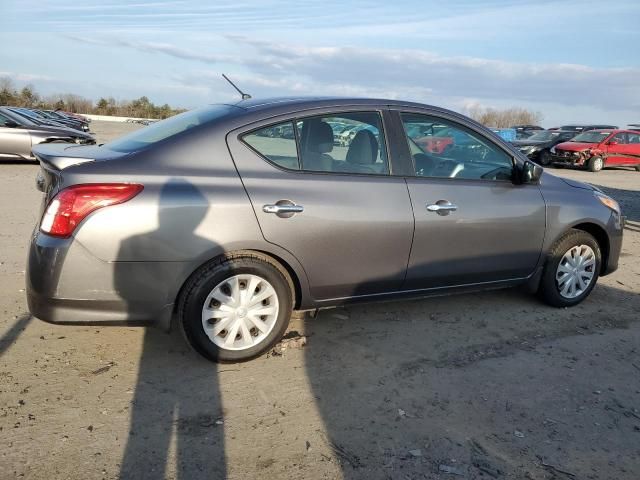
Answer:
[(19, 134), (525, 131), (585, 128), (597, 149), (74, 115), (635, 127), (65, 119), (204, 217), (538, 146), (508, 134)]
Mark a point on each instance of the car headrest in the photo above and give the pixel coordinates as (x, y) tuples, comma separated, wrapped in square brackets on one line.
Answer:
[(363, 149), (319, 137)]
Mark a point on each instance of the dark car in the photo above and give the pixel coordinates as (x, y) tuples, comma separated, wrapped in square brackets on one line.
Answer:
[(204, 218), (42, 119), (66, 120), (538, 146), (18, 135), (584, 128), (525, 131)]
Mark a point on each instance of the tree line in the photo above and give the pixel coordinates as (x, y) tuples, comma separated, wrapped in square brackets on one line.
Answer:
[(505, 118), (28, 97)]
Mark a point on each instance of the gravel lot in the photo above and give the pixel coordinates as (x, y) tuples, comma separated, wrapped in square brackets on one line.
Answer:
[(480, 386)]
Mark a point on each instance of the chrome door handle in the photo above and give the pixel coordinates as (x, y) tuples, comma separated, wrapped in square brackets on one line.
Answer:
[(442, 207), (283, 208)]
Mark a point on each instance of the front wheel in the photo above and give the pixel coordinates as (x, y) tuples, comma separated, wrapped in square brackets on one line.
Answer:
[(236, 308), (544, 158), (595, 164), (571, 270)]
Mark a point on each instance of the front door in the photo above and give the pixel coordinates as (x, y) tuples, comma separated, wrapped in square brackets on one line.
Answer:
[(624, 149), (473, 225), (329, 199)]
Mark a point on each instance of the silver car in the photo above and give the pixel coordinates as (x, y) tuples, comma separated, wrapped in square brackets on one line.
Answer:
[(18, 135), (213, 220)]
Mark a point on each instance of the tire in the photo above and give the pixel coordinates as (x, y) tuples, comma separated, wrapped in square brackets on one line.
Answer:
[(595, 164), (552, 287), (544, 158), (637, 168), (216, 280)]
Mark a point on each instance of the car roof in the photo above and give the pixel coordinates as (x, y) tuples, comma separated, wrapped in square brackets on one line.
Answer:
[(303, 102)]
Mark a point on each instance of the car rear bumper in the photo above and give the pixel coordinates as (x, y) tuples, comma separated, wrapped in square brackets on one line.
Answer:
[(66, 284)]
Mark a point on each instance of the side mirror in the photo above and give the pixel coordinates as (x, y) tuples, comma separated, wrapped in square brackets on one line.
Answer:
[(531, 172), (11, 124)]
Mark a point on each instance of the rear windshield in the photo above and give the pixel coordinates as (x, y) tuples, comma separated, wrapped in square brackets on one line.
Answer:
[(147, 136)]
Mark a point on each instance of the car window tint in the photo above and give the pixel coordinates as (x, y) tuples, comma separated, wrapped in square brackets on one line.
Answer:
[(441, 148), (344, 143), (621, 138), (633, 138), (276, 143)]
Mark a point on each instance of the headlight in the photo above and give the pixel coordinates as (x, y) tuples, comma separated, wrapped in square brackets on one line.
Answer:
[(607, 201), (553, 149)]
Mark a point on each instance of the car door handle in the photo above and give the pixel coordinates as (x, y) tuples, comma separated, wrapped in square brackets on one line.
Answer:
[(283, 208), (442, 207)]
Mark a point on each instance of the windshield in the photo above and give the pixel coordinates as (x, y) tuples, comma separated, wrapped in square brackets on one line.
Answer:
[(147, 136), (543, 136), (591, 137)]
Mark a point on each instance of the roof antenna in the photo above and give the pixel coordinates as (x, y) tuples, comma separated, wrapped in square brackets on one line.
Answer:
[(245, 96)]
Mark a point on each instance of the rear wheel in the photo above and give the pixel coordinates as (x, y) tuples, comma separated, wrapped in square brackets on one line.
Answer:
[(544, 158), (637, 168), (595, 164), (571, 270), (236, 308)]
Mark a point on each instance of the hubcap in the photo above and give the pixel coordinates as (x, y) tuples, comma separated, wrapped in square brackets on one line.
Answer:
[(597, 164), (575, 271), (240, 312)]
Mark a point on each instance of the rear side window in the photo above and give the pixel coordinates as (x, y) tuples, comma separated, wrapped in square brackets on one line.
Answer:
[(350, 142), (276, 143)]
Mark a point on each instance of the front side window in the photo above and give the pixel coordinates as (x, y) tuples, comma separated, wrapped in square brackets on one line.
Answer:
[(620, 138), (276, 143), (441, 148)]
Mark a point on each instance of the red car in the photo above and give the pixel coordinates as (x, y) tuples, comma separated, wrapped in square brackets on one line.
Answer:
[(596, 149)]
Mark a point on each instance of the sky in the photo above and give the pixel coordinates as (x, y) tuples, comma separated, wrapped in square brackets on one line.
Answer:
[(571, 60)]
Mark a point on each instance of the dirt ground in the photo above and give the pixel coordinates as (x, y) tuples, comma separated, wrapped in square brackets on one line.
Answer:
[(480, 386)]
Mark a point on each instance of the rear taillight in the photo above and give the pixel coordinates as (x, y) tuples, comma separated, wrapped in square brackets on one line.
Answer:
[(70, 206)]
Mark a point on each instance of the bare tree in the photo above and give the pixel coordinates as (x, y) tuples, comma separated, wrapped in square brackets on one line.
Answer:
[(491, 117)]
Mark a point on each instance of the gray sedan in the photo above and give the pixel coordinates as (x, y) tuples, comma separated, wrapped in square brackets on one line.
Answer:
[(18, 135), (228, 218)]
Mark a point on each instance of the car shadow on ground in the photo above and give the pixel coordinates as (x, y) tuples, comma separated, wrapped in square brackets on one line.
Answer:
[(470, 385), (176, 413)]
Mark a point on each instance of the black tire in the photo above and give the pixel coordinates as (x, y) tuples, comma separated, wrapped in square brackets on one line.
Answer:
[(637, 168), (544, 158), (207, 278), (548, 290), (595, 164)]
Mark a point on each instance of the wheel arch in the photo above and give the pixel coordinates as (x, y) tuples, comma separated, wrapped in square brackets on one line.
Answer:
[(600, 234), (295, 277)]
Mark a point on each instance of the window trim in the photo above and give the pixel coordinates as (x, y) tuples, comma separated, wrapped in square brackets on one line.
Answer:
[(293, 118), (466, 125)]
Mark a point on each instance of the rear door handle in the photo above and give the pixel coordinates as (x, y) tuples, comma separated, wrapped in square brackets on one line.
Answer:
[(442, 207), (283, 208)]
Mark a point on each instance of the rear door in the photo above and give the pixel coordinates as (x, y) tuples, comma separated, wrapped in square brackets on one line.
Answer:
[(332, 201), (473, 225)]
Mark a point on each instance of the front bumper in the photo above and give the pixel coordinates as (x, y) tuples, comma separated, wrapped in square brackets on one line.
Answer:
[(573, 159), (66, 284)]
